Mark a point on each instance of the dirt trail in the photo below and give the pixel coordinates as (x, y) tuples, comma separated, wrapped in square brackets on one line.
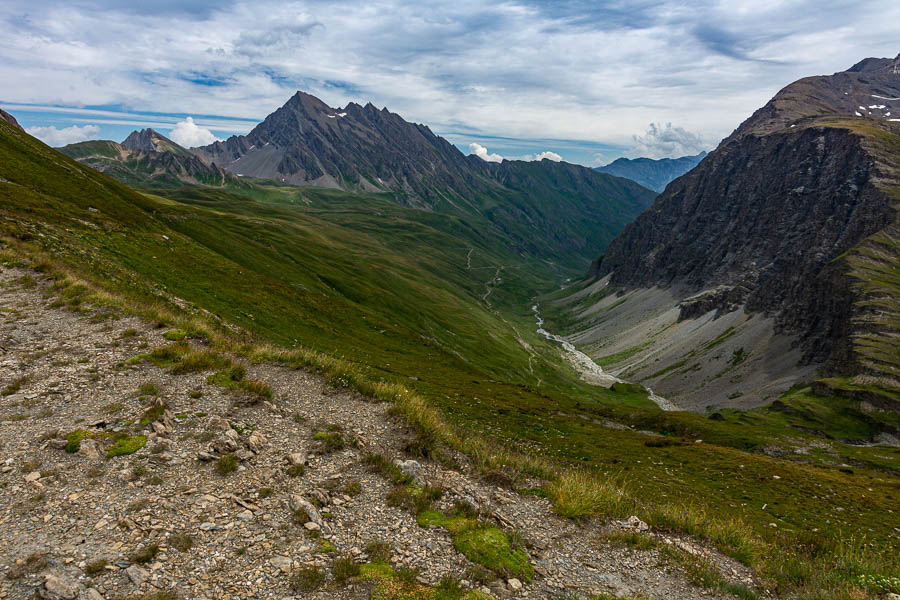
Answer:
[(77, 509)]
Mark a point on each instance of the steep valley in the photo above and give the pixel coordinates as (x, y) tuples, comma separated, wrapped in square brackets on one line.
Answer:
[(383, 331)]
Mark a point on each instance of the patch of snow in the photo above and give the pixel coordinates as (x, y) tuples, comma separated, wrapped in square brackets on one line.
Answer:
[(857, 113), (877, 106), (252, 147), (342, 114), (794, 125), (330, 116), (240, 174), (895, 120), (862, 108), (884, 97)]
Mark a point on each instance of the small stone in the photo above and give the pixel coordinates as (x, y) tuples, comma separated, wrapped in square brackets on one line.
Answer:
[(33, 476), (245, 515), (88, 448), (137, 575), (283, 563), (312, 526), (297, 458), (256, 441), (58, 587), (413, 469), (514, 585), (636, 523), (207, 526), (90, 594)]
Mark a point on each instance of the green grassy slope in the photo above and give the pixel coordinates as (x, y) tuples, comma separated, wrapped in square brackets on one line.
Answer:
[(401, 293)]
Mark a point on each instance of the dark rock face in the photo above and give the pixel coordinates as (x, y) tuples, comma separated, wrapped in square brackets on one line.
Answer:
[(357, 147), (141, 140), (766, 217), (9, 119), (650, 173)]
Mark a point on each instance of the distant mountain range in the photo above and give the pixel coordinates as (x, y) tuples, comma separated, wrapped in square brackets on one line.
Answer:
[(149, 159), (563, 212), (650, 173)]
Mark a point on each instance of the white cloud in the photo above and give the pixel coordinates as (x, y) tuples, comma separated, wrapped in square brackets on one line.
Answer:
[(520, 69), (482, 153), (190, 135), (548, 155), (67, 135), (667, 141)]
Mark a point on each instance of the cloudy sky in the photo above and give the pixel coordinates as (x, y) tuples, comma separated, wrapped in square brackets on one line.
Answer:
[(584, 80)]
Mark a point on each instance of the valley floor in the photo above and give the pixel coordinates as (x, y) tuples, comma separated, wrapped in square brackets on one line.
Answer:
[(78, 525)]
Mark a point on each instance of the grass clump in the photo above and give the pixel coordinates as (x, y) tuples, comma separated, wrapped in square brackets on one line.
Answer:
[(149, 389), (234, 377), (384, 466), (579, 494), (15, 385), (343, 569), (145, 554), (175, 335), (352, 488), (295, 471), (227, 463), (307, 579), (181, 542), (33, 563), (95, 567), (379, 551), (330, 441), (152, 414)]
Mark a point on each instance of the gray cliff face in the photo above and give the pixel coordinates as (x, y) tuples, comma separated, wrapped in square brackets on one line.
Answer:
[(768, 216), (9, 119)]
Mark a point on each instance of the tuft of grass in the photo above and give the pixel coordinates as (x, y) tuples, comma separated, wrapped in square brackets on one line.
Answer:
[(227, 463), (307, 579), (383, 465), (149, 389), (33, 563), (175, 335), (379, 551), (295, 471), (343, 569), (181, 542), (95, 567), (15, 385), (352, 488), (578, 494), (329, 441), (265, 492), (145, 554)]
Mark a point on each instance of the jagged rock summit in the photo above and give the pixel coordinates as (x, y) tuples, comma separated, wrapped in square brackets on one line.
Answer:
[(306, 142), (149, 140)]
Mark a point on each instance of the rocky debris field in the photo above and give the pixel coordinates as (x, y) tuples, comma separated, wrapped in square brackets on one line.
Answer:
[(120, 479)]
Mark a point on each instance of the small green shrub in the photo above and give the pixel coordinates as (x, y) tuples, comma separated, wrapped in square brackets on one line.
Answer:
[(226, 464), (343, 569), (379, 551), (149, 389), (145, 554), (295, 470), (330, 442), (181, 542), (307, 579), (95, 567)]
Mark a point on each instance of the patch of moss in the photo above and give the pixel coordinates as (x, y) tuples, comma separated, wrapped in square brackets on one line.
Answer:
[(73, 439), (127, 444), (175, 335), (490, 547)]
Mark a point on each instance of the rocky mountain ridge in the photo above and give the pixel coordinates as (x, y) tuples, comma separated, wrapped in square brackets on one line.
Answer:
[(650, 173), (767, 219), (148, 158)]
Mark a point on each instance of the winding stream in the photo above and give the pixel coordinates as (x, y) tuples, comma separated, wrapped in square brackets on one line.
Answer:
[(590, 371)]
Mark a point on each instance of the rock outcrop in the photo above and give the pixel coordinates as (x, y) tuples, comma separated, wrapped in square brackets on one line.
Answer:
[(773, 212)]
